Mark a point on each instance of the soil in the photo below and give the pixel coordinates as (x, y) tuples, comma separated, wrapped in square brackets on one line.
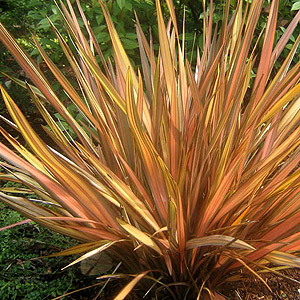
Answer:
[(252, 288)]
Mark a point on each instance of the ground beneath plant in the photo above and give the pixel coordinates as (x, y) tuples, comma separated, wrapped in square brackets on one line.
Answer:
[(251, 288)]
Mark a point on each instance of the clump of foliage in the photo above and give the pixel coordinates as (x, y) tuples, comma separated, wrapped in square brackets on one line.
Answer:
[(186, 173)]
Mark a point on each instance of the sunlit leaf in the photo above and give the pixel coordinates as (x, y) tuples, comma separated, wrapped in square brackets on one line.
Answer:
[(218, 240)]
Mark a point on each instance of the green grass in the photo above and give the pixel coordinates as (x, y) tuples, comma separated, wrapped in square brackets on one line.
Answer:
[(25, 276)]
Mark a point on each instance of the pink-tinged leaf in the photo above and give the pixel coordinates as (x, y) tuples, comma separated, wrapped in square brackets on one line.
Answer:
[(264, 69), (285, 37), (45, 181), (16, 224), (218, 240)]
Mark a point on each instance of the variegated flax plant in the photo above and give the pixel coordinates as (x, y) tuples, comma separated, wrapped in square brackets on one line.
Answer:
[(187, 173)]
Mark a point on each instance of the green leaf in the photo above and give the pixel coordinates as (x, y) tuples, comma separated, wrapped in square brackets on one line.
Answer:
[(296, 6), (103, 37), (121, 3), (72, 109), (131, 35), (128, 5), (34, 52), (54, 9), (44, 24), (129, 44)]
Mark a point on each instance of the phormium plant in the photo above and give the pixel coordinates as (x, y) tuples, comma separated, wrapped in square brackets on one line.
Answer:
[(187, 172)]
